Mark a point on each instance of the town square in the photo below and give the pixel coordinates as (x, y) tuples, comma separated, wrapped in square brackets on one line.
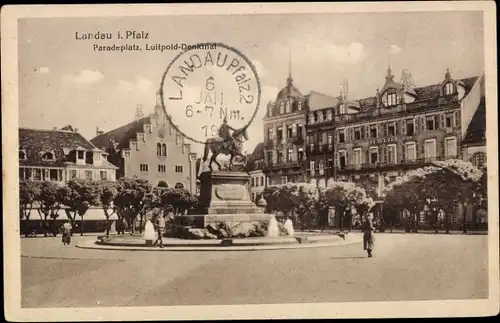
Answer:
[(334, 160)]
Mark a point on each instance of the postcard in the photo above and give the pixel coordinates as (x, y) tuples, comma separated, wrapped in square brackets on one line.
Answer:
[(250, 161)]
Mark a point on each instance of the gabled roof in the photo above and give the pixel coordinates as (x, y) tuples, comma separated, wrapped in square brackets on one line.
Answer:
[(37, 141), (319, 101), (121, 135), (476, 132)]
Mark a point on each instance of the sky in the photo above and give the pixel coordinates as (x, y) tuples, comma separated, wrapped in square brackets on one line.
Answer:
[(63, 81)]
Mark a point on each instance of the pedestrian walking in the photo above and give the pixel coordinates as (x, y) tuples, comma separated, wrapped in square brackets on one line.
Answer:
[(368, 238), (160, 226), (66, 233)]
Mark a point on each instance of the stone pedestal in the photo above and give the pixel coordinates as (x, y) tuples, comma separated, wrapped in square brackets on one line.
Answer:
[(224, 196)]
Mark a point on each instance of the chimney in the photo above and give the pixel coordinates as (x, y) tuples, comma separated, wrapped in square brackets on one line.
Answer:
[(98, 132)]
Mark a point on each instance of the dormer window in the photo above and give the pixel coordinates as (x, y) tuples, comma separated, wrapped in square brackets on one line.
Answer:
[(48, 156), (22, 154), (449, 88), (299, 104), (270, 111), (342, 109), (282, 108), (80, 154), (391, 98)]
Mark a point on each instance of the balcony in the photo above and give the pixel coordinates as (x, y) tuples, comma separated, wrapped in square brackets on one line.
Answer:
[(295, 140), (319, 149), (269, 144), (283, 165), (384, 166)]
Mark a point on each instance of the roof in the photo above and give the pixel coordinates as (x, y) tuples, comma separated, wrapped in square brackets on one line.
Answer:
[(476, 132), (121, 135), (319, 101), (37, 141), (257, 154)]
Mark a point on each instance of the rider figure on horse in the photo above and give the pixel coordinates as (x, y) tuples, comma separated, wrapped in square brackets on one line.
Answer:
[(224, 133)]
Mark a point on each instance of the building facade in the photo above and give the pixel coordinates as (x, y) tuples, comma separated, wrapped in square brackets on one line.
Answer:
[(320, 125), (403, 127), (150, 148), (60, 155), (284, 136), (474, 142)]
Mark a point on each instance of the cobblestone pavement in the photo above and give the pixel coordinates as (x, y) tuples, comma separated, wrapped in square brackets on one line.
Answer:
[(404, 267)]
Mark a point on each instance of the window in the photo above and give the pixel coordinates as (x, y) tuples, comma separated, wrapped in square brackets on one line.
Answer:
[(430, 149), (162, 168), (37, 174), (329, 115), (72, 174), (300, 154), (253, 182), (357, 156), (300, 106), (321, 168), (373, 155), (22, 175), (373, 131), (341, 135), (270, 136), (287, 107), (341, 109), (409, 127), (448, 88), (280, 156), (283, 180), (282, 108), (280, 134), (342, 159), (430, 123), (22, 155), (88, 175), (478, 159), (329, 140), (164, 149), (299, 131), (391, 98), (158, 149), (450, 147), (289, 155), (262, 181), (391, 154), (294, 130), (178, 169), (391, 129), (449, 120), (143, 167), (270, 157), (48, 156), (311, 168), (179, 185), (127, 153), (54, 175), (104, 175), (80, 154), (289, 131), (357, 133)]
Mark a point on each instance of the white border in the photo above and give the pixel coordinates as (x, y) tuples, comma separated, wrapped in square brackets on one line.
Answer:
[(458, 308)]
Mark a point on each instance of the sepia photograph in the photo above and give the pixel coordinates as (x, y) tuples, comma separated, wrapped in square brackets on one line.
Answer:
[(215, 161)]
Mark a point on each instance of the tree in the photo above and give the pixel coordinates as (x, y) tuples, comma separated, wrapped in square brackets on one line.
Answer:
[(130, 200), (28, 193), (345, 195), (78, 196), (106, 193), (271, 199), (49, 197), (176, 200)]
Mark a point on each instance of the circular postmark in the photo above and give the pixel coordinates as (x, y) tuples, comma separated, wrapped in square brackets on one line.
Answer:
[(205, 84)]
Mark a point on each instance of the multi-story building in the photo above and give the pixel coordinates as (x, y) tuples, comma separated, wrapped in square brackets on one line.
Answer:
[(404, 127), (258, 180), (60, 155), (474, 142), (320, 126), (150, 148), (284, 132)]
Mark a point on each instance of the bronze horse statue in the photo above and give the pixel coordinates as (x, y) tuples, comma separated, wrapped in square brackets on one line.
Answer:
[(217, 146)]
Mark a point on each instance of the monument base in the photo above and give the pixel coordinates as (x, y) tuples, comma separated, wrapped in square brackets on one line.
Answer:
[(224, 196)]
